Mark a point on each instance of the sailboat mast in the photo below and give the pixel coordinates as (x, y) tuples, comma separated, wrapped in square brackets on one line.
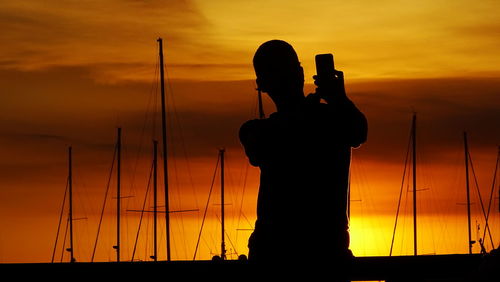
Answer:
[(118, 192), (466, 151), (164, 133), (223, 244), (155, 197), (70, 180), (414, 148)]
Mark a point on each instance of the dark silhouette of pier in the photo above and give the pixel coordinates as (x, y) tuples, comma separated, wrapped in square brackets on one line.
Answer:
[(436, 268)]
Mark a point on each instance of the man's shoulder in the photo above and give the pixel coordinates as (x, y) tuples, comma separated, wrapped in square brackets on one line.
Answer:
[(255, 127), (258, 123), (250, 124)]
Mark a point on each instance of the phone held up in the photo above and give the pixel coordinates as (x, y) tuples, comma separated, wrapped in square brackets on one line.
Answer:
[(325, 71), (324, 65)]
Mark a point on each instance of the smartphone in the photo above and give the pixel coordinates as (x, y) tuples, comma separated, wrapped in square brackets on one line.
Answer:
[(324, 65)]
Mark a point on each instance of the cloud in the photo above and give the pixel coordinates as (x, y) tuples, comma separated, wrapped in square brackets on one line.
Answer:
[(487, 30), (51, 109), (200, 38), (56, 33), (209, 113), (445, 108)]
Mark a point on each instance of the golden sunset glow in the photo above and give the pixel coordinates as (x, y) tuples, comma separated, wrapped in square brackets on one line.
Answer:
[(71, 72)]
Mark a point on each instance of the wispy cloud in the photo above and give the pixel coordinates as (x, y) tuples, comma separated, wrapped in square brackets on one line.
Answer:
[(445, 108), (52, 33), (210, 112)]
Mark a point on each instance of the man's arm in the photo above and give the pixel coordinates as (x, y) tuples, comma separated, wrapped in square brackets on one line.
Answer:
[(357, 124), (250, 139), (354, 122)]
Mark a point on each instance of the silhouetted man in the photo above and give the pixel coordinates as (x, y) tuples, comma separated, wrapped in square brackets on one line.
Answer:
[(303, 151)]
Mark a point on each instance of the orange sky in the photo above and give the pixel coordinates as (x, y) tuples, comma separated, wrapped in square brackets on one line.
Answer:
[(71, 72)]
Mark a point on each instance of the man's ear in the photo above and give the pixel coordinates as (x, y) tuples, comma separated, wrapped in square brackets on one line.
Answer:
[(301, 74)]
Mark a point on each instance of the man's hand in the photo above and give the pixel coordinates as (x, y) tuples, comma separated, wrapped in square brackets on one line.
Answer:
[(331, 88)]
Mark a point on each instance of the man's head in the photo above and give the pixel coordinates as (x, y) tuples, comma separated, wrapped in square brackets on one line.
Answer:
[(278, 70)]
